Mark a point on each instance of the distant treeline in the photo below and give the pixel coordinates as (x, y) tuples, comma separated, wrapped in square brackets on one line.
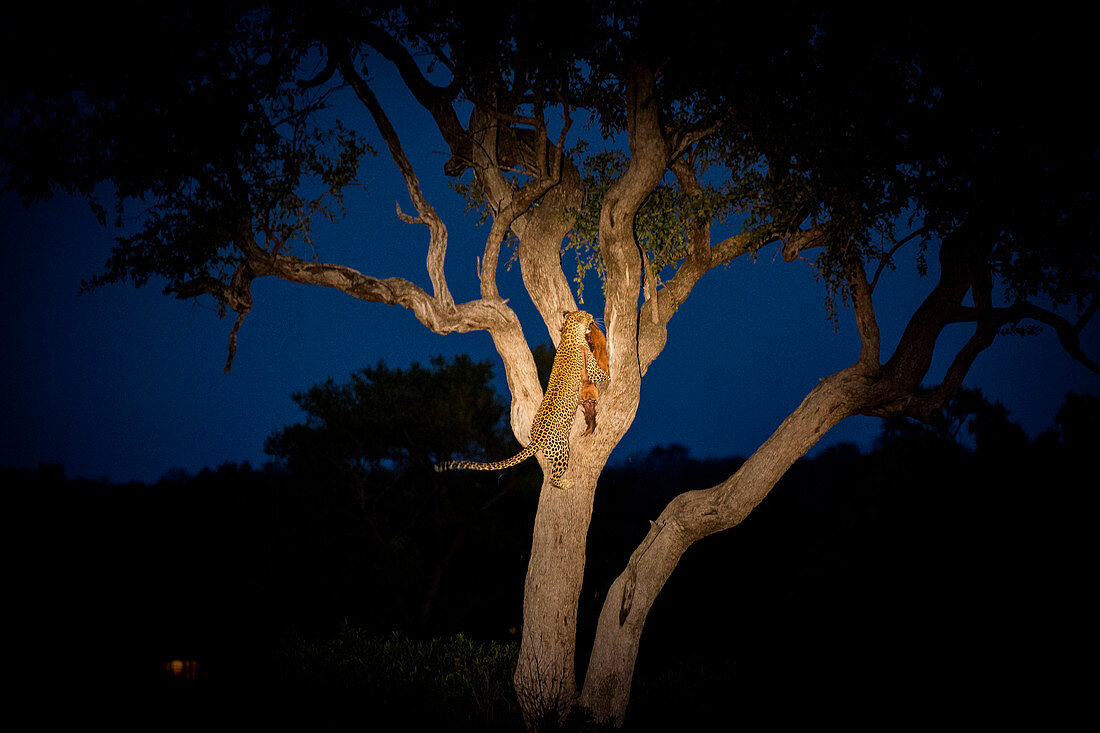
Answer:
[(955, 546)]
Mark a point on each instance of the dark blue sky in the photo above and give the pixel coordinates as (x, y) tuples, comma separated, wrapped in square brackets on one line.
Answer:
[(127, 383)]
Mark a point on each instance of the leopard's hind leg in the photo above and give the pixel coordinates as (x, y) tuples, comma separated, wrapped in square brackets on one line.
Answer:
[(559, 463)]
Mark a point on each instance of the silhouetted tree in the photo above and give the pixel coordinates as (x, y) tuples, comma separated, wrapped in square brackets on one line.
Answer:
[(966, 416), (1078, 420), (395, 419), (364, 458)]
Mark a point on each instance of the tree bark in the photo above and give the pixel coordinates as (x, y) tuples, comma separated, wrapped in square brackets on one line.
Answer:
[(545, 676)]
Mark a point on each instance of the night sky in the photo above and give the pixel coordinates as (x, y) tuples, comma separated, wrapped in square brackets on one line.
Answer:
[(127, 383)]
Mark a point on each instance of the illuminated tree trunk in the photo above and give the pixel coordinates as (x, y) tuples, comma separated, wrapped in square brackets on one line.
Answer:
[(545, 676)]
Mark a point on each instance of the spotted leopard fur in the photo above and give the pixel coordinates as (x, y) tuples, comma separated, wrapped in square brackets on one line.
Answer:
[(573, 367)]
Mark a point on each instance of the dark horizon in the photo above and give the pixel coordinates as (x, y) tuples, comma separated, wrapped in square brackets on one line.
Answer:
[(846, 579)]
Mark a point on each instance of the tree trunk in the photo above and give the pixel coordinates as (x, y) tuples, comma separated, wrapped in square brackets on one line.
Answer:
[(688, 518), (545, 677)]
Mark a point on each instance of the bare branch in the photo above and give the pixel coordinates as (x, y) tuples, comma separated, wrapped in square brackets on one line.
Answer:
[(233, 342), (898, 385), (512, 203), (489, 313), (901, 393), (1069, 334), (439, 317), (487, 267), (510, 117), (866, 322), (650, 157), (322, 76), (890, 255), (437, 246), (406, 218), (555, 164), (437, 100)]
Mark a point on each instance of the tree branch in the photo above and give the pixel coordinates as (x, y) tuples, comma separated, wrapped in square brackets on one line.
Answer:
[(801, 239), (439, 313), (437, 244), (508, 203), (1069, 334), (890, 255), (650, 157), (684, 140), (437, 316), (437, 100), (866, 322)]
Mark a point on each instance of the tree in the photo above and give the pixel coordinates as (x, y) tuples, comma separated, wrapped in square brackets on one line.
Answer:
[(1079, 420), (365, 454), (394, 419), (840, 137)]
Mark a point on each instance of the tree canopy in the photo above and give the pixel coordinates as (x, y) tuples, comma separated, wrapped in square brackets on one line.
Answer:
[(209, 121), (395, 419)]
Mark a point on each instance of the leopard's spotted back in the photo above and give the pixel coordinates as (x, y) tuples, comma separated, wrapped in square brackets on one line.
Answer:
[(554, 418)]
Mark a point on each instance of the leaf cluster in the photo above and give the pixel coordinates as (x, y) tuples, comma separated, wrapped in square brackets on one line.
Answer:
[(1013, 158), (186, 125), (457, 681), (662, 226), (512, 56)]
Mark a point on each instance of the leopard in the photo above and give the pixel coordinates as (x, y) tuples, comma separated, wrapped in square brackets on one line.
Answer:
[(572, 369)]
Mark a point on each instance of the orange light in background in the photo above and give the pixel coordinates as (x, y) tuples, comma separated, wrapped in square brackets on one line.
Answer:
[(187, 669)]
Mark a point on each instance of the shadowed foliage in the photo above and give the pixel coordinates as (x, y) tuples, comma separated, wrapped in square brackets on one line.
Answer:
[(873, 575)]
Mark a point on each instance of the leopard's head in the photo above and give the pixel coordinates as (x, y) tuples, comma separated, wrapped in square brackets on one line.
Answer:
[(574, 326)]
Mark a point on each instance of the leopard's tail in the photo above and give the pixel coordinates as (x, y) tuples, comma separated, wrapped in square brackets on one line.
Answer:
[(523, 455)]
